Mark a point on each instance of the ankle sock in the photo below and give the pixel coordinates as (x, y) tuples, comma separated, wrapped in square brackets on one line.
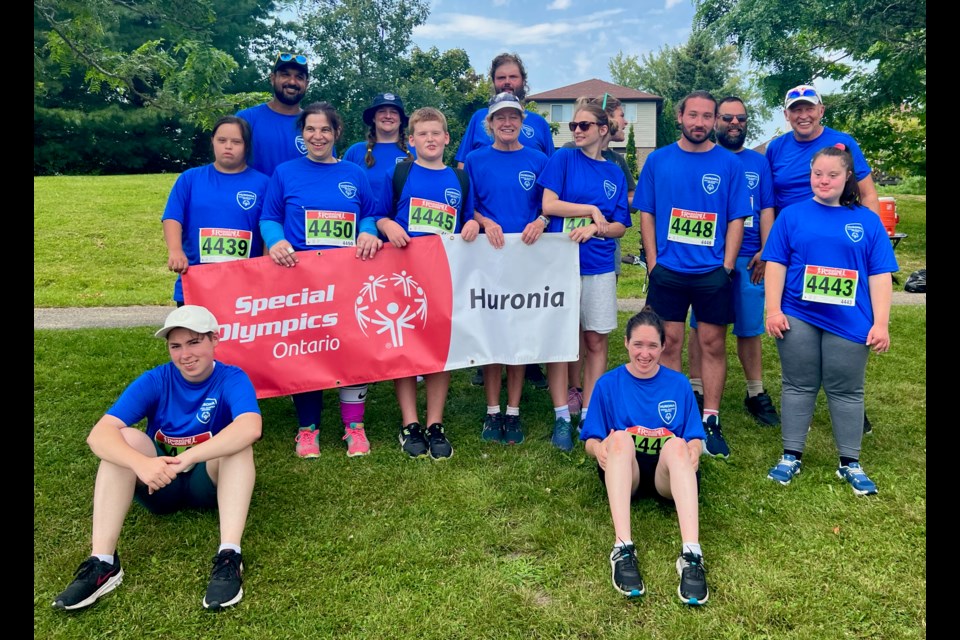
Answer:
[(513, 411), (562, 412), (754, 388), (692, 547)]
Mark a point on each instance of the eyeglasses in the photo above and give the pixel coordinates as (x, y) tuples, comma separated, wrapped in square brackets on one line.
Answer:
[(295, 57), (808, 92), (583, 124), (730, 118)]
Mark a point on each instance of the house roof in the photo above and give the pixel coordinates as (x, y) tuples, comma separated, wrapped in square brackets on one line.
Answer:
[(594, 87)]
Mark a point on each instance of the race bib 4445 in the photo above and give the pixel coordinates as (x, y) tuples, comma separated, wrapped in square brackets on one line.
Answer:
[(427, 216)]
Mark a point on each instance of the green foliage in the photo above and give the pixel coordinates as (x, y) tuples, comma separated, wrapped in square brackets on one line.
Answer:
[(910, 184), (632, 153), (893, 140)]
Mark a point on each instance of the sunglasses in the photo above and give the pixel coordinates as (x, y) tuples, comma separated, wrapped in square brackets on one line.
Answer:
[(730, 118), (288, 57), (583, 124), (803, 93)]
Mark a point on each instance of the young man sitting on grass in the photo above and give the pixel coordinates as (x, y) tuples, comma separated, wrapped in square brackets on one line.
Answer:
[(197, 452)]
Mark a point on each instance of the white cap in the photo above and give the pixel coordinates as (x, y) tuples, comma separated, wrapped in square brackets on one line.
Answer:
[(505, 100), (802, 93), (192, 317)]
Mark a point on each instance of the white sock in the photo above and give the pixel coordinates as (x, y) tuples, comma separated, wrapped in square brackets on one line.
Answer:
[(583, 414), (105, 558), (619, 544), (227, 545), (493, 409), (513, 411), (562, 412), (692, 547)]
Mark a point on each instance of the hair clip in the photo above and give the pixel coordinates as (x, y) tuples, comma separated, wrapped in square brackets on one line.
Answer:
[(841, 146)]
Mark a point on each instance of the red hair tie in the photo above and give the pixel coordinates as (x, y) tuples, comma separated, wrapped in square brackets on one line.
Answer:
[(841, 146)]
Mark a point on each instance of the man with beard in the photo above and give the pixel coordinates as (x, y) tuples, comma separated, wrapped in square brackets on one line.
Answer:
[(693, 200), (748, 296), (275, 135)]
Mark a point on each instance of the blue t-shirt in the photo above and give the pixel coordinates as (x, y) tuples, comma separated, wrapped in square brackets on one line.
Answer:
[(320, 205), (181, 413), (535, 133), (809, 234), (275, 138), (219, 213), (760, 185), (385, 155), (428, 195), (576, 177), (692, 197), (505, 185), (621, 400), (790, 159)]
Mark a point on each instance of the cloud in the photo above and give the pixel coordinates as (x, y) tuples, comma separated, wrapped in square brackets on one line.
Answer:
[(559, 5), (461, 26), (670, 4)]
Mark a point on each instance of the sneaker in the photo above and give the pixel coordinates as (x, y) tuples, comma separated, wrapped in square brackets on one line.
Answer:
[(477, 379), (699, 397), (307, 442), (535, 377), (787, 467), (715, 445), (562, 435), (867, 427), (761, 408), (225, 588), (94, 578), (862, 485), (492, 427), (575, 400), (412, 441), (512, 431), (693, 581), (440, 448), (356, 437), (625, 573)]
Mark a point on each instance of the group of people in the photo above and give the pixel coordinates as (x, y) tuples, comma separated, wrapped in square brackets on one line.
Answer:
[(725, 230)]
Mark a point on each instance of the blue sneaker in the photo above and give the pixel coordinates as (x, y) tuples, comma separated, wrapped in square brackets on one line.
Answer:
[(862, 485), (786, 468), (715, 445), (562, 435), (492, 427)]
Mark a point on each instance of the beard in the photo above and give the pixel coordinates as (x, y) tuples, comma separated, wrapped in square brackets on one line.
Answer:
[(282, 97), (692, 137), (727, 141)]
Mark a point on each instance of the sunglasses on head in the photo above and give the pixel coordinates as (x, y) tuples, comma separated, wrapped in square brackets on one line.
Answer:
[(583, 124), (730, 118), (808, 92), (292, 57)]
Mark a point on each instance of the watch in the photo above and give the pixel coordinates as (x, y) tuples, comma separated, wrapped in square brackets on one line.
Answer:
[(545, 220)]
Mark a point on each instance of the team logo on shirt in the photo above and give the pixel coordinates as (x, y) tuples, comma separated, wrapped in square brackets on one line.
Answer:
[(347, 189), (610, 189), (400, 159), (667, 410), (452, 196), (246, 199), (753, 179), (710, 182), (527, 178), (854, 231), (528, 131), (389, 305), (301, 145), (206, 410)]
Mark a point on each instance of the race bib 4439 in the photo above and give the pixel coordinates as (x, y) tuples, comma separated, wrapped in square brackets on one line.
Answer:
[(223, 245), (692, 227)]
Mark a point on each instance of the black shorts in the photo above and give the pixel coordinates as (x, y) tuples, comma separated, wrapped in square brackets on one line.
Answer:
[(191, 489), (671, 294), (647, 487)]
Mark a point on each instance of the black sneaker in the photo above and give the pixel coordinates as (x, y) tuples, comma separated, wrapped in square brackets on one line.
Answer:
[(699, 397), (440, 448), (867, 427), (625, 573), (94, 578), (714, 444), (534, 376), (225, 588), (512, 431), (492, 427), (477, 379), (693, 580), (761, 408), (412, 441)]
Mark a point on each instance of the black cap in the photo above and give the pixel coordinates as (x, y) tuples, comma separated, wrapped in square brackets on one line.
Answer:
[(296, 60), (384, 100)]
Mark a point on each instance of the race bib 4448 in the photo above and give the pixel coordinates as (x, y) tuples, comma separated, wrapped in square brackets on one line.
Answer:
[(692, 227)]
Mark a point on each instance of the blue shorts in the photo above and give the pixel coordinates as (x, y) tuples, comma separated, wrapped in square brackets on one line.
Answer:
[(748, 302), (190, 489), (673, 293)]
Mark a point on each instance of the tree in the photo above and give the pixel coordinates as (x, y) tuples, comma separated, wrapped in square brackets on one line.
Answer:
[(632, 153)]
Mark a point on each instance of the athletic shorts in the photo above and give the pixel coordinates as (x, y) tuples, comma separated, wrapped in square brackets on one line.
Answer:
[(191, 489), (598, 302), (647, 488), (748, 302), (672, 293)]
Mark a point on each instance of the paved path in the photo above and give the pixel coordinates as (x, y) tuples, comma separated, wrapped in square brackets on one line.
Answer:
[(150, 316)]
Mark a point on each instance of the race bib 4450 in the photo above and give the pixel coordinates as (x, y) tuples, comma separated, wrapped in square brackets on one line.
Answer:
[(330, 228)]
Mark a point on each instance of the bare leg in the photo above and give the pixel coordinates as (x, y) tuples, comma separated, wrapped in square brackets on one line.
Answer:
[(557, 378), (622, 477), (234, 476), (113, 494), (673, 347), (676, 478), (595, 362), (750, 352), (515, 384), (492, 383), (713, 346), (406, 389), (437, 386)]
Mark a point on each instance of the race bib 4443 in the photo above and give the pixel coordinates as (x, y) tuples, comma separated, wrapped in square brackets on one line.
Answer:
[(830, 285)]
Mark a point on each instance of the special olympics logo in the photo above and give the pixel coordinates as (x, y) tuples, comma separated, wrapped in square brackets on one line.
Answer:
[(390, 304)]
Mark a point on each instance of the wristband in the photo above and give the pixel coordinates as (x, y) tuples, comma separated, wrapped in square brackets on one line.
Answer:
[(545, 220)]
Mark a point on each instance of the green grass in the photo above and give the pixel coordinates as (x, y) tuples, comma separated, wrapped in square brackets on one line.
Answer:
[(497, 542), (107, 248)]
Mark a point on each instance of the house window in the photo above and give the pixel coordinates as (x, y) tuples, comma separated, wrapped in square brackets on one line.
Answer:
[(630, 111), (556, 113)]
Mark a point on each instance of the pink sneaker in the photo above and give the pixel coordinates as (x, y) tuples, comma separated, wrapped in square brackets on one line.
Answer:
[(356, 437), (574, 400), (307, 445)]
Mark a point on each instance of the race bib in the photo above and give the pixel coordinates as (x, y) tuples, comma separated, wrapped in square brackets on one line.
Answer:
[(427, 216), (748, 222), (830, 285), (223, 245), (330, 228), (569, 224), (649, 441), (174, 445), (692, 227)]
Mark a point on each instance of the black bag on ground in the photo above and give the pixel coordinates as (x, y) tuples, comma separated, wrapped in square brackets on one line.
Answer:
[(917, 282)]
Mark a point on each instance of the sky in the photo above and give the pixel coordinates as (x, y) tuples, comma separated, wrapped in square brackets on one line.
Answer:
[(562, 42)]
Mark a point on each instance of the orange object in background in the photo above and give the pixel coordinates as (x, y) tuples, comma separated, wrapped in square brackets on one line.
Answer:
[(888, 214)]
